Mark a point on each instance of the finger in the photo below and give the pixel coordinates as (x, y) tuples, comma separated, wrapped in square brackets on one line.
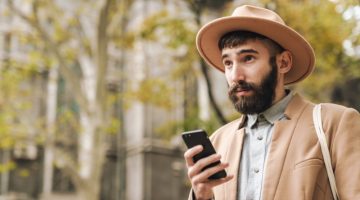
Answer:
[(202, 163), (204, 175), (199, 165), (190, 153), (220, 181)]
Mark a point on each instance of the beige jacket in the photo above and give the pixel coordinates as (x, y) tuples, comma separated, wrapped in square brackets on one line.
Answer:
[(294, 169)]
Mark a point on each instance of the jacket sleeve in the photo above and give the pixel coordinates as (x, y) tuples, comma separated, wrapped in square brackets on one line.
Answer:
[(345, 150)]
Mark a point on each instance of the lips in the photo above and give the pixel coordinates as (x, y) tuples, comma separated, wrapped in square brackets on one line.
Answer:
[(243, 92), (240, 89)]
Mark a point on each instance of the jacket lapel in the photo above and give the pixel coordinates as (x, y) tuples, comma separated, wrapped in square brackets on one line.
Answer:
[(233, 156), (281, 138)]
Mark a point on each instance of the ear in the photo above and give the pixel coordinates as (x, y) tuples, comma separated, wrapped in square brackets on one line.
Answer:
[(284, 62)]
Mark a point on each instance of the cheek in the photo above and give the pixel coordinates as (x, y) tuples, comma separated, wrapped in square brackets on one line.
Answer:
[(256, 76), (228, 77), (259, 74)]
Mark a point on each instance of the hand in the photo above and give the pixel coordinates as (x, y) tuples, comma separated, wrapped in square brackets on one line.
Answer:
[(201, 185)]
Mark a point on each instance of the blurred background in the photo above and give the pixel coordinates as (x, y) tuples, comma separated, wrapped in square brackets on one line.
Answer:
[(94, 94)]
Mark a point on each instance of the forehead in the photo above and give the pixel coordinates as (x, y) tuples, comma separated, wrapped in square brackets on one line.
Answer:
[(253, 45)]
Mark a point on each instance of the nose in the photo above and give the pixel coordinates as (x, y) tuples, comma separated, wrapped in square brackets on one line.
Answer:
[(236, 74)]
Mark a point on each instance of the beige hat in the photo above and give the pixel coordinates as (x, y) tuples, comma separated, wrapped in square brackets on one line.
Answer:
[(264, 22)]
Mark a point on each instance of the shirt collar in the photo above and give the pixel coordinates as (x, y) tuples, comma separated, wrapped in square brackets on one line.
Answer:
[(274, 113)]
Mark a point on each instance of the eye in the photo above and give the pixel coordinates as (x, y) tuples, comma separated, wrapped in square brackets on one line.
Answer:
[(248, 58), (227, 63)]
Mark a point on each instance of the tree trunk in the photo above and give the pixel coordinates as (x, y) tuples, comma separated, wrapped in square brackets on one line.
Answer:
[(92, 118), (197, 8), (214, 105), (50, 127)]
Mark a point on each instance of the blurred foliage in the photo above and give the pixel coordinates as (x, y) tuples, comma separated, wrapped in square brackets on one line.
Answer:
[(45, 34), (24, 173), (113, 126), (15, 102), (192, 122), (67, 123), (5, 167), (322, 23), (209, 4), (153, 91), (175, 33)]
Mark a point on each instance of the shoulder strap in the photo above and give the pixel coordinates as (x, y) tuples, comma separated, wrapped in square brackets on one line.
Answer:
[(324, 149)]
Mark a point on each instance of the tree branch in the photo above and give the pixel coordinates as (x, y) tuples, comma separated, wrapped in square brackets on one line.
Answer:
[(102, 54), (213, 103), (197, 8), (50, 45)]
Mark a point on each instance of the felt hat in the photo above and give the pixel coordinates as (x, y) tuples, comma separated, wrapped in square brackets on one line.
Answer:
[(264, 22)]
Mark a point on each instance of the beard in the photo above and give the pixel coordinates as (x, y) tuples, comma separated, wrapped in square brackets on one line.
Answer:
[(263, 93)]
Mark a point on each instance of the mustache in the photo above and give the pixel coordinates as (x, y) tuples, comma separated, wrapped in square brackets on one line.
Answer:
[(241, 85)]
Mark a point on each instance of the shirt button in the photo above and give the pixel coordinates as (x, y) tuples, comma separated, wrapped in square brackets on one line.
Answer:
[(259, 137), (256, 170)]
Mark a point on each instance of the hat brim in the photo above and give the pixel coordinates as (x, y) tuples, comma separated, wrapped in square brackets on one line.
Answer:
[(303, 54)]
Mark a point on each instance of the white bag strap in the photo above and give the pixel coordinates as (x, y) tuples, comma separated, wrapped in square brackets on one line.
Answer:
[(324, 149)]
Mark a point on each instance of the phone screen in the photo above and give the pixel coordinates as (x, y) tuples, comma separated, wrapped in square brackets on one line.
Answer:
[(199, 137)]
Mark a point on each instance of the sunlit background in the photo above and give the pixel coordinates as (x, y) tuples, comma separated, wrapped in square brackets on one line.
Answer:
[(95, 93)]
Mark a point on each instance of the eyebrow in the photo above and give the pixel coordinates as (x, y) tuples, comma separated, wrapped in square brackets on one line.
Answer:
[(241, 52)]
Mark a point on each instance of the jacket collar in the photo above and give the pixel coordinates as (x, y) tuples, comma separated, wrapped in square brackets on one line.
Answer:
[(272, 114), (296, 104), (290, 110)]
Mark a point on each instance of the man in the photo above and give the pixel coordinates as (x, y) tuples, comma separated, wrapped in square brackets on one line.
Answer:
[(272, 151)]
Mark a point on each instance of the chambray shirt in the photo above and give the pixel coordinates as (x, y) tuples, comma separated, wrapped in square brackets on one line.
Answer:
[(257, 138)]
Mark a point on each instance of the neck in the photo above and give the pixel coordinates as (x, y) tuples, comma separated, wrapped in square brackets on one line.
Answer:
[(279, 94)]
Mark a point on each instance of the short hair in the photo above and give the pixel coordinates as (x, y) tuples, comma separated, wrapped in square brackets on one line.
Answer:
[(236, 38)]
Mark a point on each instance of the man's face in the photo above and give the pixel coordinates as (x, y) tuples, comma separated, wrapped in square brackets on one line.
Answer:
[(252, 76)]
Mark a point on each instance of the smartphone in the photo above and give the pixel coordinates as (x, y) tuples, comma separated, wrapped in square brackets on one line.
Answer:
[(199, 137)]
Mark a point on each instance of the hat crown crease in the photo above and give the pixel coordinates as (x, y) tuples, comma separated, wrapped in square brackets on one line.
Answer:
[(256, 12)]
